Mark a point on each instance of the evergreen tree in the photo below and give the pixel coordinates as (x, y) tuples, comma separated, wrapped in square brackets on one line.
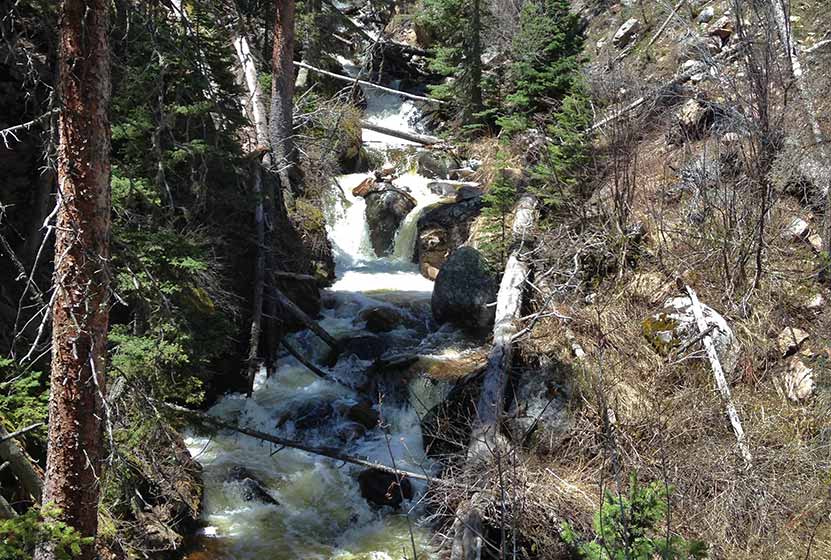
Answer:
[(457, 26), (546, 53), (627, 528)]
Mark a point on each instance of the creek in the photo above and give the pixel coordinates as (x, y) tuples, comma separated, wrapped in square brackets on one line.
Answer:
[(317, 510)]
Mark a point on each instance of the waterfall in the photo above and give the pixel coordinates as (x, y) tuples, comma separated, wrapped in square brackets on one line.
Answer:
[(320, 512)]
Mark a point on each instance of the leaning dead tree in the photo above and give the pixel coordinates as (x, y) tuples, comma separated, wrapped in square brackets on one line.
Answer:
[(718, 375), (255, 107), (80, 312), (485, 439), (781, 10)]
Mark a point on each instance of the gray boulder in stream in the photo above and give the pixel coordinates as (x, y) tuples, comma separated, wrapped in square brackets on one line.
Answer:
[(385, 210), (251, 488), (464, 288)]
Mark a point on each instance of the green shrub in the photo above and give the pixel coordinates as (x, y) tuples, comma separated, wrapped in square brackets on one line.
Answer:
[(20, 535), (627, 528)]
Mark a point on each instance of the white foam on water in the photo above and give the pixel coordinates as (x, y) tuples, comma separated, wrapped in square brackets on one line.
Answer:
[(321, 514)]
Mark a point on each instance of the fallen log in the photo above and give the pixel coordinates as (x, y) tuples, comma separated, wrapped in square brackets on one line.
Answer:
[(718, 373), (329, 452), (21, 466), (485, 437), (410, 136), (351, 80), (308, 364), (19, 433), (310, 323)]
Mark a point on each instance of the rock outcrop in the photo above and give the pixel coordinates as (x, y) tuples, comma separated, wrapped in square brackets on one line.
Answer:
[(386, 208), (465, 290), (442, 229), (675, 327)]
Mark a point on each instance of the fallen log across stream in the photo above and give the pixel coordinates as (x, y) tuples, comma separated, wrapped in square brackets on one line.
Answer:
[(485, 439), (410, 136), (351, 80), (329, 452)]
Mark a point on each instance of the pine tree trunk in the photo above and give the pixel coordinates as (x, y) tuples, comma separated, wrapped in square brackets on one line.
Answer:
[(80, 312), (282, 93), (474, 104)]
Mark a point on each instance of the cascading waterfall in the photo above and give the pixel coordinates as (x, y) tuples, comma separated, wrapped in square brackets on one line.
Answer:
[(318, 510)]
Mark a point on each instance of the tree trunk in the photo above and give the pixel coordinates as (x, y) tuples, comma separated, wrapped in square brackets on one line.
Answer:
[(423, 139), (474, 104), (485, 439), (282, 94), (783, 24), (81, 309), (257, 113)]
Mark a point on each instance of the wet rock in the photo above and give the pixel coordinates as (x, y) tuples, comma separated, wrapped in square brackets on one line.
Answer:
[(799, 381), (350, 431), (380, 488), (385, 210), (364, 414), (381, 318), (465, 287), (452, 188), (442, 229), (461, 174), (307, 415), (446, 427), (675, 326), (626, 33), (252, 489), (364, 187), (790, 339), (433, 165), (365, 347)]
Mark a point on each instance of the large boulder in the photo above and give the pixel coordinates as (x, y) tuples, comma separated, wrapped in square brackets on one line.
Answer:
[(626, 33), (381, 488), (434, 165), (442, 229), (385, 210), (465, 290), (675, 327)]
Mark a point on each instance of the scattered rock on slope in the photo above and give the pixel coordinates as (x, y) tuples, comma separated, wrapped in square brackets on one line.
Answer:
[(675, 326), (539, 414), (464, 291), (626, 33)]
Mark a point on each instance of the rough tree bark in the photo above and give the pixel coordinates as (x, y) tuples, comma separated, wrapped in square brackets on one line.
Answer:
[(474, 104), (485, 439), (81, 279)]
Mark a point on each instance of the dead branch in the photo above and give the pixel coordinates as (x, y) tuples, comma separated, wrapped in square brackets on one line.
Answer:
[(718, 373)]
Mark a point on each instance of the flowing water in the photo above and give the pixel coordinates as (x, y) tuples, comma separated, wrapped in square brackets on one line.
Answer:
[(319, 511)]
